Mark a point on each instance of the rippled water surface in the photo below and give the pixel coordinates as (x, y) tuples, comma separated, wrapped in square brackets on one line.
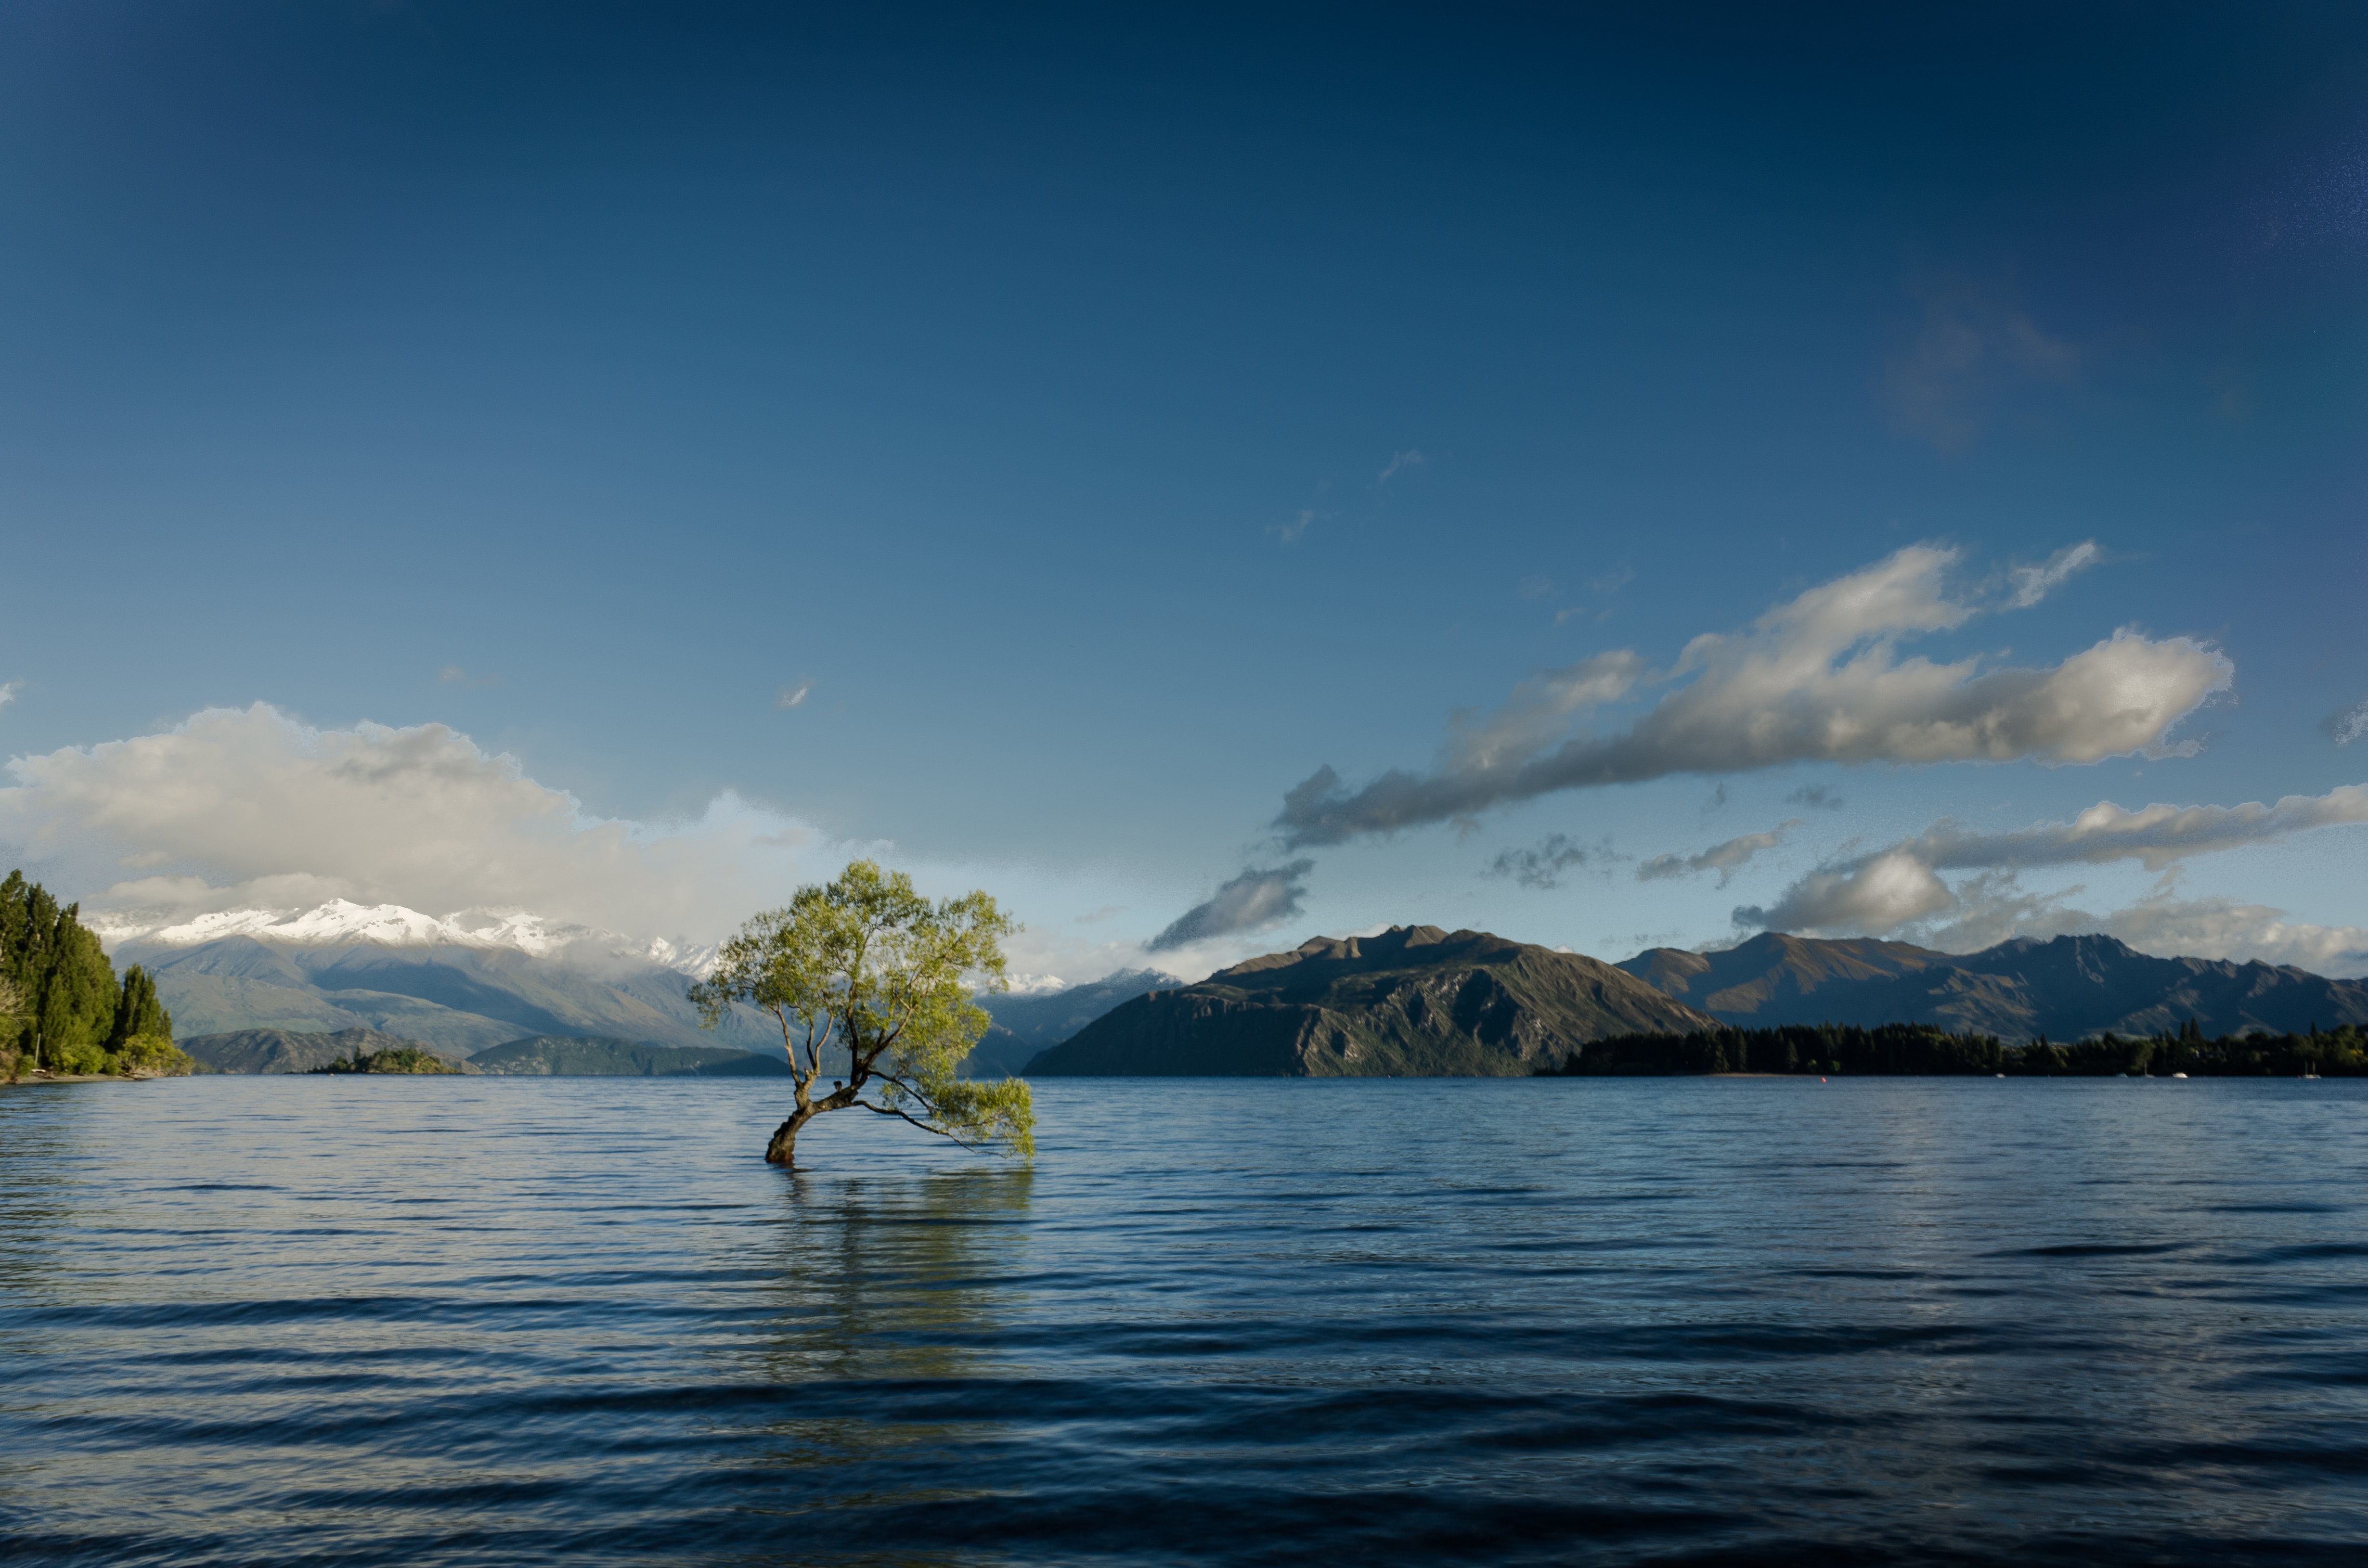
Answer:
[(499, 1321)]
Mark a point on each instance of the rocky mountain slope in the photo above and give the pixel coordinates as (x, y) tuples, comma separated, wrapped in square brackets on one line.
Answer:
[(1415, 1001), (2066, 988)]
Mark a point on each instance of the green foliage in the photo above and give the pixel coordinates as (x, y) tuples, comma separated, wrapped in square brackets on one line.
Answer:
[(154, 1056), (61, 1004), (867, 966), (78, 1058), (1920, 1049), (68, 989), (138, 1010), (396, 1059)]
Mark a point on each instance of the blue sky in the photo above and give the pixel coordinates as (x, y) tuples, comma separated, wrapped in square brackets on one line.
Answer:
[(1108, 421)]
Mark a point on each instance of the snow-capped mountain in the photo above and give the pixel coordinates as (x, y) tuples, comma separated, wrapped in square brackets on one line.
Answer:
[(341, 923)]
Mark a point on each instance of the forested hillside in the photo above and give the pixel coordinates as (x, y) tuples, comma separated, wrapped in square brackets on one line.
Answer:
[(62, 1006)]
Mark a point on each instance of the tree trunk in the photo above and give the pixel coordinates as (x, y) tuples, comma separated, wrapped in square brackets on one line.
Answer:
[(782, 1150)]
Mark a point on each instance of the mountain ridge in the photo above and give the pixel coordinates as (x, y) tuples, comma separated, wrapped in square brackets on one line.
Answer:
[(1412, 1001), (455, 997), (2066, 987)]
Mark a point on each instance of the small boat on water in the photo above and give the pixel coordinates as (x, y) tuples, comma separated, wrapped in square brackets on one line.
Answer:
[(2178, 1075)]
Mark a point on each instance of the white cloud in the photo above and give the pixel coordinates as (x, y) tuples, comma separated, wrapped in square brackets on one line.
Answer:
[(1725, 859), (794, 695), (249, 809), (2215, 927), (1877, 895), (2345, 727), (2029, 584), (1399, 462), (9, 692), (1539, 709), (1817, 678)]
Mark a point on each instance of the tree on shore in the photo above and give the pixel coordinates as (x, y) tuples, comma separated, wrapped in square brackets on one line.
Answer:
[(867, 966), (71, 1014)]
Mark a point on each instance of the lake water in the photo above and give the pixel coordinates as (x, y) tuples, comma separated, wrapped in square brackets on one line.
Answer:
[(1733, 1321)]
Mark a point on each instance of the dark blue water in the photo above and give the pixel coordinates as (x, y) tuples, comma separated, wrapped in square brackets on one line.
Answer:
[(503, 1321)]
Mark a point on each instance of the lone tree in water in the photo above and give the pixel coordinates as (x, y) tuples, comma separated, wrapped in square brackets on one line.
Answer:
[(867, 966)]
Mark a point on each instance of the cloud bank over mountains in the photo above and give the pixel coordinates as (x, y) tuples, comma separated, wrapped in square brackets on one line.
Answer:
[(248, 808), (1898, 890), (1816, 679)]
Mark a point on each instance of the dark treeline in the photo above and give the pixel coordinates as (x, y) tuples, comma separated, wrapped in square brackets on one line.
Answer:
[(62, 1006), (1920, 1049), (394, 1058)]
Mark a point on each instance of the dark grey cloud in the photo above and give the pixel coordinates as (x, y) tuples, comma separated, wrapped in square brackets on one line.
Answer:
[(1817, 796), (1544, 866), (1251, 902)]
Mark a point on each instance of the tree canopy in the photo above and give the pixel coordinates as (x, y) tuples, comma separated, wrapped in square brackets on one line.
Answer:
[(61, 1004), (866, 967)]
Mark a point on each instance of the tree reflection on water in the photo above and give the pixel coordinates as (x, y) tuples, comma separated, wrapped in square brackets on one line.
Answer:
[(886, 1299)]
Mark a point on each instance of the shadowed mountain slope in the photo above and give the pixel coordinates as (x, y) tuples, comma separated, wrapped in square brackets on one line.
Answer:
[(1413, 1002), (456, 999), (2066, 988), (1026, 1025)]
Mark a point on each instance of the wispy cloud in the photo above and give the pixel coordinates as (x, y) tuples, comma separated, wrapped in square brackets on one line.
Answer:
[(1817, 796), (1816, 678), (2344, 728), (1257, 900), (2029, 584), (1399, 463), (1296, 529), (795, 694), (453, 674), (1969, 345), (9, 692), (1725, 859)]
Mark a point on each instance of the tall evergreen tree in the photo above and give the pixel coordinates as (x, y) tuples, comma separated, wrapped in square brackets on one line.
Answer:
[(71, 995), (139, 1010)]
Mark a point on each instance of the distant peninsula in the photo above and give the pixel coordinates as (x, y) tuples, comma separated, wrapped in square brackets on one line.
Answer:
[(277, 1052)]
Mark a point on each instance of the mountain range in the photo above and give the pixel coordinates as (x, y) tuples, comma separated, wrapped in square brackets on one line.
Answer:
[(454, 985), (1413, 1002), (1416, 999), (2066, 988)]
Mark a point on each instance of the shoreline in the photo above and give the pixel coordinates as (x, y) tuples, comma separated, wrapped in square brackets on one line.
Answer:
[(45, 1076)]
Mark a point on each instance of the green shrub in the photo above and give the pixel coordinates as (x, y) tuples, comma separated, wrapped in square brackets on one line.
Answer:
[(80, 1057), (156, 1055)]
